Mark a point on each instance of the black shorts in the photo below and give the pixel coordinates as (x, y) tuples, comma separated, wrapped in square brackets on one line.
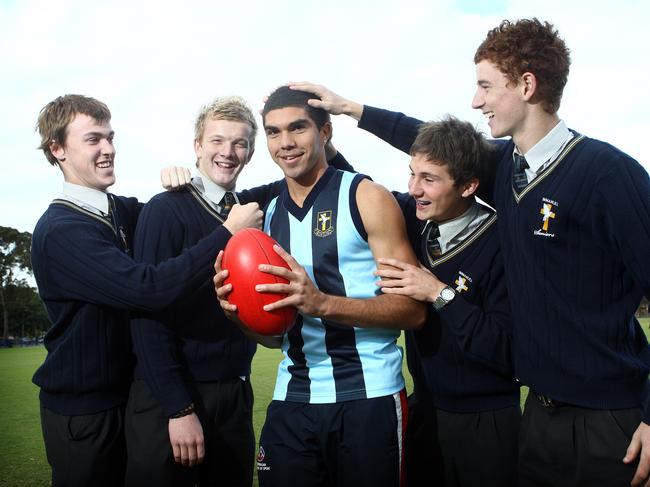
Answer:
[(353, 443)]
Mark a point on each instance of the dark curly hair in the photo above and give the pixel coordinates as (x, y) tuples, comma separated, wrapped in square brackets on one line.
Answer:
[(529, 45)]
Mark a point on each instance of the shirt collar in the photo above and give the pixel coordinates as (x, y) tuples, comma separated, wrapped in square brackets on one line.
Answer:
[(547, 147), (449, 229), (209, 189), (88, 198)]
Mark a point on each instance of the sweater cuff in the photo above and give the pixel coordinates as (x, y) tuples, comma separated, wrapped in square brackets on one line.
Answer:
[(367, 116), (172, 403)]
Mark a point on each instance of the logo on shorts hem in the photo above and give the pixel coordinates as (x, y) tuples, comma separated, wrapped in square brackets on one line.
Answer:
[(261, 465)]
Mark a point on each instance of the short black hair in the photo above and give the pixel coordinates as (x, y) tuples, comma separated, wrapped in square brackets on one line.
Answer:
[(285, 97)]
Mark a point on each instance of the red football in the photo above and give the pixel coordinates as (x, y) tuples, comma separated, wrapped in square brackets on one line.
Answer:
[(245, 251)]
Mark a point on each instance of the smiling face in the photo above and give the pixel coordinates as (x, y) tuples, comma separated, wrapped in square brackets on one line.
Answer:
[(296, 144), (87, 155), (223, 151), (501, 101), (436, 196)]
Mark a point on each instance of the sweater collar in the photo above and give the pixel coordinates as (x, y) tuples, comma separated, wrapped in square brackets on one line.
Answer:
[(547, 148), (209, 189), (89, 199)]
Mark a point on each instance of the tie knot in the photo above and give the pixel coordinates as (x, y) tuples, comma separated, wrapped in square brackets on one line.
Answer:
[(519, 177), (111, 206), (434, 231), (227, 203), (520, 163), (433, 244)]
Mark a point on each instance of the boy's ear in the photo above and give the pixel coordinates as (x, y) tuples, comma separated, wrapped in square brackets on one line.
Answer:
[(326, 132), (57, 150), (528, 85), (470, 188)]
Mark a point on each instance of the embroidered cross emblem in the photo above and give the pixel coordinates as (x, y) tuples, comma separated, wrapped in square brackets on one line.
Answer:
[(323, 218), (547, 214), (460, 284)]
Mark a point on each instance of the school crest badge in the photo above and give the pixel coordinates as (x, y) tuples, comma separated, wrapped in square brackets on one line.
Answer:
[(548, 213), (463, 282), (324, 224)]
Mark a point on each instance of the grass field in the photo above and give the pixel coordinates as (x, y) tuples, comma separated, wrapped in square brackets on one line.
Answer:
[(22, 455)]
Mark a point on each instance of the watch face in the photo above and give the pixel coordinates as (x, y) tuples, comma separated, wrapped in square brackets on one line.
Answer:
[(447, 294)]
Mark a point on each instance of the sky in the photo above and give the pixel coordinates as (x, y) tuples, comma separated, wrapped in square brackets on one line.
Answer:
[(156, 64)]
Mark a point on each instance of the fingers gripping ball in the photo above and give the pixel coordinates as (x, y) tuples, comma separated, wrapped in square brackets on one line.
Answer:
[(245, 251)]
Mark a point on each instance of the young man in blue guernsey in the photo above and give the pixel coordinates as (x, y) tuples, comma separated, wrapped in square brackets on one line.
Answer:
[(192, 402), (574, 223), (81, 255), (337, 414), (464, 414)]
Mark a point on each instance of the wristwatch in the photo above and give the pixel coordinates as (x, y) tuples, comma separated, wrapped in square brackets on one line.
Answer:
[(444, 298)]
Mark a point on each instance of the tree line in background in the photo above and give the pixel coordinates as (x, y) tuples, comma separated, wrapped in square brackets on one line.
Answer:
[(23, 314)]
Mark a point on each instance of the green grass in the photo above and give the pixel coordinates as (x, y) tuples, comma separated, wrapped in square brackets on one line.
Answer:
[(22, 454)]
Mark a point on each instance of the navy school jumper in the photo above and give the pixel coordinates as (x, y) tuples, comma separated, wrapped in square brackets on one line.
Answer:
[(88, 284), (464, 349), (191, 340), (576, 243)]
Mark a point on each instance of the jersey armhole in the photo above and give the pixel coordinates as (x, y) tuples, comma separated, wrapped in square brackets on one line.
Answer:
[(354, 208)]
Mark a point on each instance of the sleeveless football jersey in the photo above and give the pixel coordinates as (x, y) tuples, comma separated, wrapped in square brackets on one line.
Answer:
[(326, 362)]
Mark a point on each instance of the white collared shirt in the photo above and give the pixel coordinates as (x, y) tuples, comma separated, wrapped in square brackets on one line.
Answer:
[(89, 199), (454, 232), (210, 191), (546, 150)]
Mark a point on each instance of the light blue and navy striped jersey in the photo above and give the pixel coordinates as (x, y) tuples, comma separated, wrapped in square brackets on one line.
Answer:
[(326, 362)]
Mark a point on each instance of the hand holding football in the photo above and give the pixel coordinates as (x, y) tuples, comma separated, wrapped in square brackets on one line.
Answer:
[(245, 251)]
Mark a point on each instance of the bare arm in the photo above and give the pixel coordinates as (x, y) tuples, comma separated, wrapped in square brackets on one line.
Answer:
[(386, 236)]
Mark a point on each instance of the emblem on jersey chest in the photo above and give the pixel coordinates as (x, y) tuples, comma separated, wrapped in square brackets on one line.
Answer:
[(547, 213), (324, 227), (463, 282)]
